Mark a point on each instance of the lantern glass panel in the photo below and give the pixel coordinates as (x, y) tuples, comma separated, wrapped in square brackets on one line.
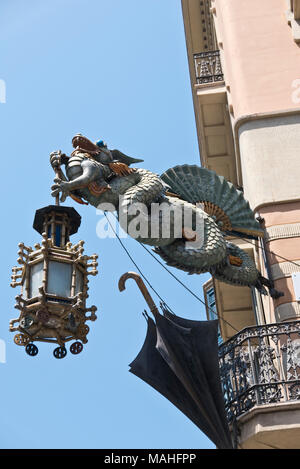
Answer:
[(36, 279), (79, 282), (57, 235), (59, 278)]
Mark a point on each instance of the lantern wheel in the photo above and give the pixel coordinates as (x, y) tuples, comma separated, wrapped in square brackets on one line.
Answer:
[(21, 339), (60, 352), (31, 350), (76, 348)]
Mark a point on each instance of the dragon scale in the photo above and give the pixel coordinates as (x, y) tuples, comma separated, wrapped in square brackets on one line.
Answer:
[(110, 185)]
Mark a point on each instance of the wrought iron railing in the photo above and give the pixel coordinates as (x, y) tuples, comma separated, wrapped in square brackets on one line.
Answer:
[(208, 67), (260, 365)]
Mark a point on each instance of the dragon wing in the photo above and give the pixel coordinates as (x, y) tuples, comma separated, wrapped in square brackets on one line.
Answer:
[(220, 198), (119, 156)]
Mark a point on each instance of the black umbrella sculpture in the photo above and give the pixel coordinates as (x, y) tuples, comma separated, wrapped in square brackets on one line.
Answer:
[(179, 359)]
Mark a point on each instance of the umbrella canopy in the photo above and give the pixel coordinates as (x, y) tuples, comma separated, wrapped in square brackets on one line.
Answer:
[(179, 359)]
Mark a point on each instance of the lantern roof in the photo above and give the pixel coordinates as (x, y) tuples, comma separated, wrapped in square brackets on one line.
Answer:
[(73, 215)]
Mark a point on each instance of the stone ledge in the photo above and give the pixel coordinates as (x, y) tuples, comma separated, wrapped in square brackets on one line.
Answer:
[(271, 426), (287, 311), (284, 269), (289, 230)]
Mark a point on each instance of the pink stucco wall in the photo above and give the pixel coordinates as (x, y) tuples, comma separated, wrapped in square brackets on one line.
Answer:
[(261, 60), (279, 214), (283, 249)]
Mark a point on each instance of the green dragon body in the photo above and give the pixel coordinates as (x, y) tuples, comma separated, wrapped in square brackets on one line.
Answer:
[(213, 204)]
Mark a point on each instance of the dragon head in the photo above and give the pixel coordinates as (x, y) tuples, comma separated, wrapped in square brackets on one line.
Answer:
[(81, 143)]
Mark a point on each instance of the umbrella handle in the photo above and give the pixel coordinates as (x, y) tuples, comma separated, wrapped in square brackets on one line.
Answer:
[(142, 288)]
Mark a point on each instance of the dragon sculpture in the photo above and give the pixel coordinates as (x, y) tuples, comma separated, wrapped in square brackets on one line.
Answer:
[(97, 175)]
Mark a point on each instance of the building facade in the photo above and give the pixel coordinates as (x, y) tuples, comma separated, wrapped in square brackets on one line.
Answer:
[(244, 62)]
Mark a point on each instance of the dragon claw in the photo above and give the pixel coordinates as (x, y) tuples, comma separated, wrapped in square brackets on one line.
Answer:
[(60, 186), (55, 159)]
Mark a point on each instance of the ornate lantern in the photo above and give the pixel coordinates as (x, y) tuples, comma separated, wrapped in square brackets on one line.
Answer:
[(54, 285)]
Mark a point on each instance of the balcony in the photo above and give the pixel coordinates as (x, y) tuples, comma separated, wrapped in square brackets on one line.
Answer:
[(208, 67), (260, 366), (213, 122)]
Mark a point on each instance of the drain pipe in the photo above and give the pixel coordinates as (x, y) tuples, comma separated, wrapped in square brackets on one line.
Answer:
[(273, 292)]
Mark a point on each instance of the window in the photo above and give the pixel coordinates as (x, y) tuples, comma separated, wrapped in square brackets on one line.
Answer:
[(212, 309)]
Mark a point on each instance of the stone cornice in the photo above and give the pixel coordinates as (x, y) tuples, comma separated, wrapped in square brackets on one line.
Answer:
[(287, 311), (289, 230), (284, 269)]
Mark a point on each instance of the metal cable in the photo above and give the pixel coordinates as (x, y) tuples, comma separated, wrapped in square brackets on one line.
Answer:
[(270, 252), (188, 289), (169, 272), (136, 266), (177, 279)]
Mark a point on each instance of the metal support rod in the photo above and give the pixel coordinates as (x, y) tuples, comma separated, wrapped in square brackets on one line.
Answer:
[(58, 174)]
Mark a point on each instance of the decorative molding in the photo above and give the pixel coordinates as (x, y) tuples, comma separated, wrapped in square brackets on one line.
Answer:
[(208, 27), (207, 62), (284, 269), (290, 230), (287, 311), (293, 17)]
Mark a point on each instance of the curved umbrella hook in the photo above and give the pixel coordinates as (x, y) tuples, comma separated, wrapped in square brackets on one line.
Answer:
[(142, 287)]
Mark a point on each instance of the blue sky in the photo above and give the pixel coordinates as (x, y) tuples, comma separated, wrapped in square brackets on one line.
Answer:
[(116, 70)]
